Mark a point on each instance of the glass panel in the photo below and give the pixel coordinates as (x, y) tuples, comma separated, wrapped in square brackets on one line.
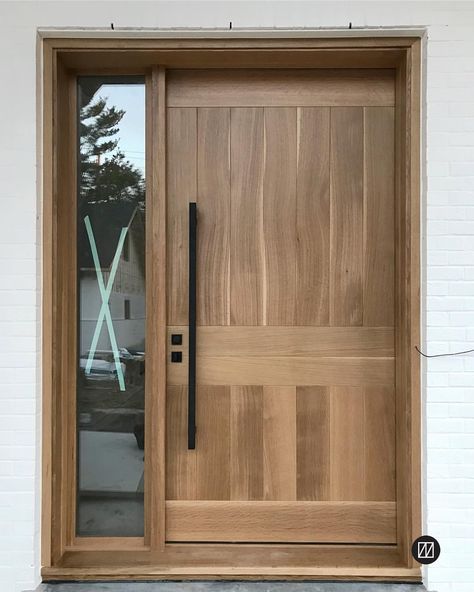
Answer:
[(111, 306)]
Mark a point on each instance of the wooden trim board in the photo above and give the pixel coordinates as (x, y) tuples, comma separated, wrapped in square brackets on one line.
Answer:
[(275, 340), (367, 574), (63, 555), (266, 522), (302, 87)]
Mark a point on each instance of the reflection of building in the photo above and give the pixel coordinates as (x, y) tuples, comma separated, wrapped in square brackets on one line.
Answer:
[(127, 298), (110, 483)]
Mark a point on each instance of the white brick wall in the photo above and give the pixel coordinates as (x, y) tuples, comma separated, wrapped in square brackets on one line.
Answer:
[(448, 300)]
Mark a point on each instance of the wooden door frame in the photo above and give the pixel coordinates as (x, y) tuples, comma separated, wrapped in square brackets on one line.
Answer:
[(63, 554)]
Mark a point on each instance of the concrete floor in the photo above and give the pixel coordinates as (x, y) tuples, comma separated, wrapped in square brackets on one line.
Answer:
[(229, 587)]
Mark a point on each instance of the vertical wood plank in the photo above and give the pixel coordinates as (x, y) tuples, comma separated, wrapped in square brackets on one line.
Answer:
[(379, 246), (181, 189), (347, 444), (213, 443), (64, 307), (213, 177), (246, 253), (67, 244), (246, 432), (379, 422), (156, 342), (346, 216), (279, 215), (313, 437), (279, 443), (402, 323), (180, 462), (312, 217)]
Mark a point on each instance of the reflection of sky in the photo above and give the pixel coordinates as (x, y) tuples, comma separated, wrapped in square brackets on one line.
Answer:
[(131, 98)]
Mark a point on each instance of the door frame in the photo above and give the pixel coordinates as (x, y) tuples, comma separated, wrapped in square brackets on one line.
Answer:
[(63, 554)]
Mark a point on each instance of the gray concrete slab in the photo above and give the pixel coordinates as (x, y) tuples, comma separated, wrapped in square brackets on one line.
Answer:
[(220, 586)]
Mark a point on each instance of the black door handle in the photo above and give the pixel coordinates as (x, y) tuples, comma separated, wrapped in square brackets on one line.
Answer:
[(192, 327)]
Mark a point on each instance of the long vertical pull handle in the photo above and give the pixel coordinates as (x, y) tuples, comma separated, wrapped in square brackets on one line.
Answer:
[(192, 327)]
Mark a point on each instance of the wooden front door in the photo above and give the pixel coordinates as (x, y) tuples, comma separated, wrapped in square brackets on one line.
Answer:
[(293, 176), (302, 159)]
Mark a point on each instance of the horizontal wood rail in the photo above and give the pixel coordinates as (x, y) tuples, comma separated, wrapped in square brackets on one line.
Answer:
[(336, 522)]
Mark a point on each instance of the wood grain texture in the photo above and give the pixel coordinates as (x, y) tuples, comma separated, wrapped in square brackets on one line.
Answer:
[(138, 61), (347, 445), (181, 189), (340, 522), (407, 316), (292, 341), (203, 559), (312, 217), (379, 208), (279, 443), (63, 317), (379, 439), (260, 42), (246, 437), (287, 371), (362, 443), (296, 216), (346, 282), (181, 466), (232, 555), (279, 215), (246, 254), (280, 88), (213, 443), (402, 308), (207, 570), (313, 443), (252, 556), (156, 262), (213, 201)]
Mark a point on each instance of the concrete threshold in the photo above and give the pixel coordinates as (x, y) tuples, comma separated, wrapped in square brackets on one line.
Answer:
[(223, 586)]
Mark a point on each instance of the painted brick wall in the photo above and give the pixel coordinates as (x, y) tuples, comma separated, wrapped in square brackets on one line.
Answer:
[(448, 272)]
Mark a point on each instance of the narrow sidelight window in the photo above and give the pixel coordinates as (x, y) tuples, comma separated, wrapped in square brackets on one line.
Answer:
[(111, 272)]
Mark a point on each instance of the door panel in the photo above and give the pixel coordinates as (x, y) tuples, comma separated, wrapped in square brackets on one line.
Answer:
[(247, 261), (280, 88), (351, 342), (181, 468), (347, 208), (213, 197), (295, 335), (379, 243), (313, 408), (181, 183), (275, 370), (213, 470), (269, 522), (284, 443), (313, 255), (279, 443), (279, 216), (246, 448)]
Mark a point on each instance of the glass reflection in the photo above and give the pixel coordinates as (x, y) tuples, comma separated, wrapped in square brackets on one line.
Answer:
[(111, 307)]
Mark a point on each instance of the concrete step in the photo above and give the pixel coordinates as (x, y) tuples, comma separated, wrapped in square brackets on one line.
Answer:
[(223, 586)]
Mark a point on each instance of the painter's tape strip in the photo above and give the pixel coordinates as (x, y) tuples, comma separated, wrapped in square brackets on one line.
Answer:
[(105, 295)]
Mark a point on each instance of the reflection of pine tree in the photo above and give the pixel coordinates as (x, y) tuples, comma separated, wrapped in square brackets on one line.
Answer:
[(106, 175)]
